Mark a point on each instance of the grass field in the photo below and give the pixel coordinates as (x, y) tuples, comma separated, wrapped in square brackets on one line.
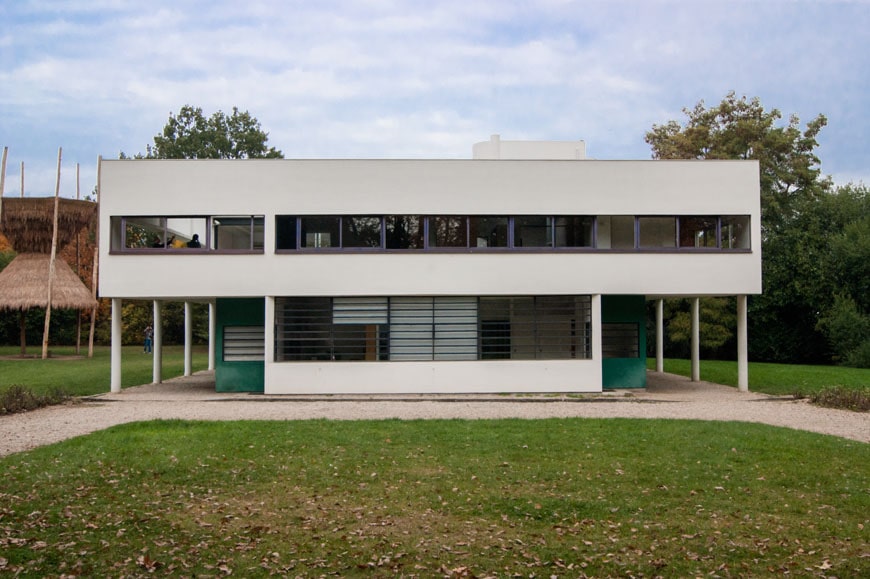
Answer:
[(83, 376), (778, 379), (560, 497)]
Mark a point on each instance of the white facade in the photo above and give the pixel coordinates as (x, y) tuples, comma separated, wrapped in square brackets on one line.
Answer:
[(270, 188)]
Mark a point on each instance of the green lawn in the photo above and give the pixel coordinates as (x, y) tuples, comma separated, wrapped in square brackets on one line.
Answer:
[(83, 376), (778, 379), (559, 497)]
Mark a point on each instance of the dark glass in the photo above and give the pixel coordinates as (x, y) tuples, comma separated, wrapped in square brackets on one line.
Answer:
[(404, 231), (319, 232), (448, 231), (360, 231)]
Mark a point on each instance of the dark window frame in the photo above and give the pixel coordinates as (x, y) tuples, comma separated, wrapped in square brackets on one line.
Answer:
[(205, 238)]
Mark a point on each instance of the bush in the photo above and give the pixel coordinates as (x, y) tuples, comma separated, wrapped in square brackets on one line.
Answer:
[(848, 331), (843, 398), (860, 356), (18, 398)]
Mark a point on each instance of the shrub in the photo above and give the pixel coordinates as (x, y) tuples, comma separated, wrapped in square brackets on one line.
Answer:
[(18, 398), (843, 398)]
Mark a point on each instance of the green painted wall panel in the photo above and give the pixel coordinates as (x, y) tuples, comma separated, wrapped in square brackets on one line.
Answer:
[(238, 376), (625, 372)]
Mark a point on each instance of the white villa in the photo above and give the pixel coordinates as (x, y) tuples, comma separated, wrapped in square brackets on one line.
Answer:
[(524, 269)]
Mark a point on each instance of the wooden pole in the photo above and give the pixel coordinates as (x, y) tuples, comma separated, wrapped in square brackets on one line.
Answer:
[(3, 178), (22, 329), (22, 179), (78, 267), (53, 257), (96, 263)]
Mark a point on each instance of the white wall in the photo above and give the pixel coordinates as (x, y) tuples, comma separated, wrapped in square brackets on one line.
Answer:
[(270, 187), (434, 377)]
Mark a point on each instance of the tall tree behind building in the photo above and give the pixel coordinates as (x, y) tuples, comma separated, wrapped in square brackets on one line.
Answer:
[(801, 220)]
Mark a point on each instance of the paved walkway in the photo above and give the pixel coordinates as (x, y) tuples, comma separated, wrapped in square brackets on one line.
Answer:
[(194, 398)]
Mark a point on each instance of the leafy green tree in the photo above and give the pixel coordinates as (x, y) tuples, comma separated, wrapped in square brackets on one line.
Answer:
[(848, 330), (190, 135), (794, 196), (740, 128), (823, 252), (717, 322)]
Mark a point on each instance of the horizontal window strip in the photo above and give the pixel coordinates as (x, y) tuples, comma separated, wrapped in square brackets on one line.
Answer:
[(493, 233), (433, 328)]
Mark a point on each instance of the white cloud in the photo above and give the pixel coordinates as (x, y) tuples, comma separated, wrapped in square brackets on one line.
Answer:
[(412, 78)]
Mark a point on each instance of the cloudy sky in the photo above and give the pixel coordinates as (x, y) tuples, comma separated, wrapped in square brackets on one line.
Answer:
[(414, 78)]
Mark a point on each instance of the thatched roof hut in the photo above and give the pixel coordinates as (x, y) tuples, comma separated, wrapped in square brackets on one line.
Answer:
[(28, 222), (24, 285)]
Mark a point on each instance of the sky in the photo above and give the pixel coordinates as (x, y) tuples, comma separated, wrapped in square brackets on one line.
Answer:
[(418, 78)]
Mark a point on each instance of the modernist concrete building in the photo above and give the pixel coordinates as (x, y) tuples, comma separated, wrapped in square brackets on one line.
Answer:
[(525, 269)]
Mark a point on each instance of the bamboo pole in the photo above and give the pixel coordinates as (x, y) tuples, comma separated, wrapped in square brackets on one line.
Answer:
[(78, 265), (96, 262), (22, 179), (53, 257)]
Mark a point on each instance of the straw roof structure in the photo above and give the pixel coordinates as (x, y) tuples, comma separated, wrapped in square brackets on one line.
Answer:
[(24, 285), (28, 222)]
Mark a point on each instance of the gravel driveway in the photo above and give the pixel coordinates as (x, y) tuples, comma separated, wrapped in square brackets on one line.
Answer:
[(193, 397)]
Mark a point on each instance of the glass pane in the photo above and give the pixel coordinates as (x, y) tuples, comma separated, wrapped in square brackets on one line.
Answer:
[(523, 328), (320, 231), (488, 231), (573, 231), (735, 232), (184, 232), (404, 231), (361, 232), (285, 232), (229, 232), (140, 232), (533, 231), (616, 232), (657, 231), (620, 340), (495, 328), (448, 231), (303, 329), (259, 233), (697, 232)]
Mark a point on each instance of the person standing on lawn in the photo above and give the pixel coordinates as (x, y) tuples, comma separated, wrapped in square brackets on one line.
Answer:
[(149, 335)]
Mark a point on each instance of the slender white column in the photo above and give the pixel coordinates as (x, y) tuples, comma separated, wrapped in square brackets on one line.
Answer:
[(268, 341), (696, 340), (597, 354), (212, 333), (115, 382), (660, 336), (188, 339), (157, 368), (742, 346)]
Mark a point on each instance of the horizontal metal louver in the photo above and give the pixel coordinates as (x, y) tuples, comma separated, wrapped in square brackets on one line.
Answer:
[(244, 343)]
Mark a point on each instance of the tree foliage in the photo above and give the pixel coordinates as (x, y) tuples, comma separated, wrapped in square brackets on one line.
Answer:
[(192, 135), (717, 322), (816, 238), (740, 128)]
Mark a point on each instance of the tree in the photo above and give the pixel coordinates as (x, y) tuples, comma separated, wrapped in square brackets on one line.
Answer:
[(742, 129), (190, 135), (717, 323), (797, 216)]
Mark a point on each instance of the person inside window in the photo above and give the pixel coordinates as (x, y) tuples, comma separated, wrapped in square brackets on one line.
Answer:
[(194, 242)]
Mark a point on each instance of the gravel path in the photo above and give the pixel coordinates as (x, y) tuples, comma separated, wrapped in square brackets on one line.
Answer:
[(193, 397)]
